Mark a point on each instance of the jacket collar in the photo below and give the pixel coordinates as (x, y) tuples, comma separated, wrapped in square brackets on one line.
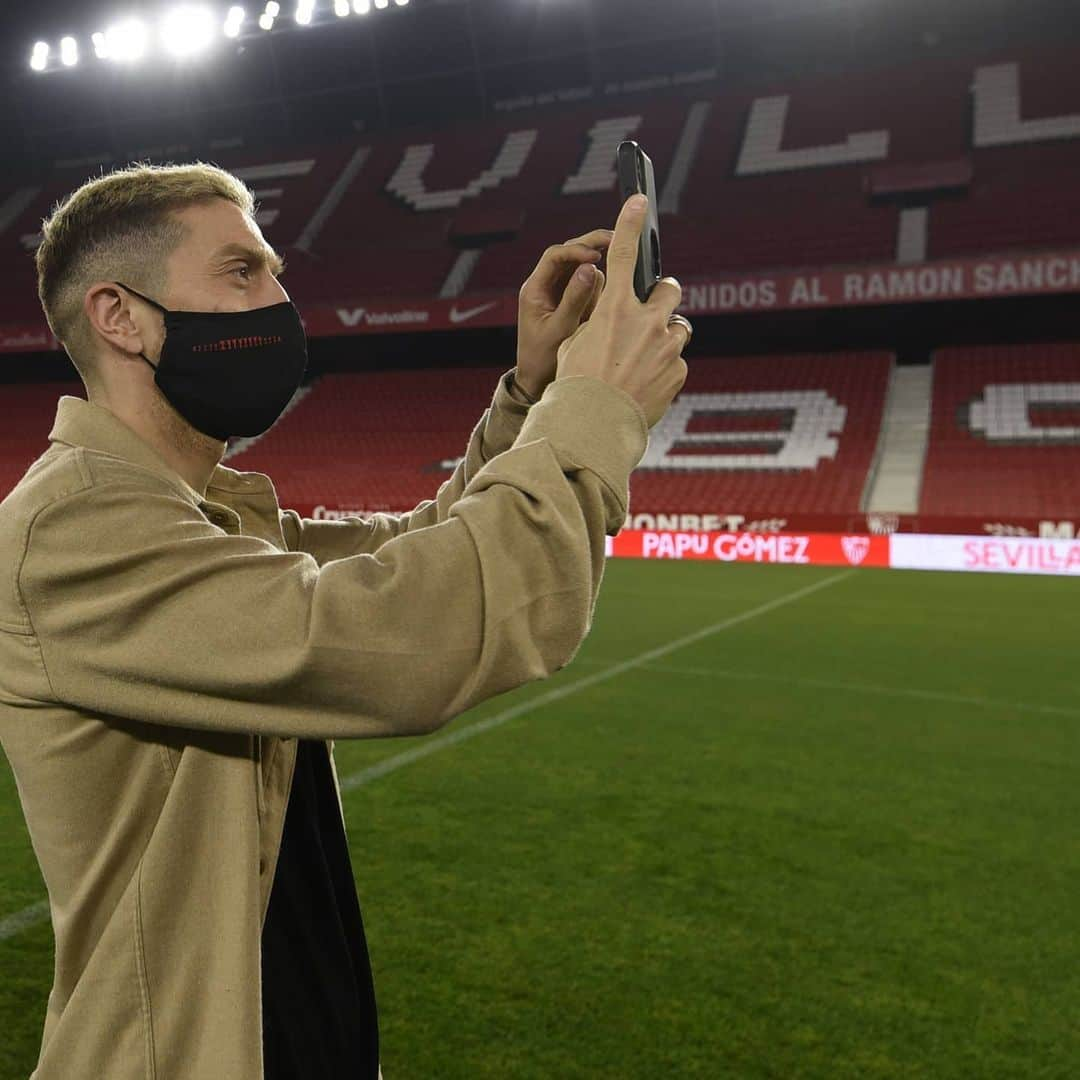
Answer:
[(82, 423)]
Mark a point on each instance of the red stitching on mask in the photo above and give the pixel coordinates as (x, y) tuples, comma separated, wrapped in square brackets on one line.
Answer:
[(228, 344)]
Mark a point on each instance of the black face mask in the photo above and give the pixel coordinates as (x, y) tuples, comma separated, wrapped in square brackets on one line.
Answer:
[(230, 372)]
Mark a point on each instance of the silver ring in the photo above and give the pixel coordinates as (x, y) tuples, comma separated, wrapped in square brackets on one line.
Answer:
[(681, 320)]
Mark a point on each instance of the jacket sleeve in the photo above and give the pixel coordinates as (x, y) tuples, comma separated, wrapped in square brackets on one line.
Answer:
[(142, 609), (328, 540)]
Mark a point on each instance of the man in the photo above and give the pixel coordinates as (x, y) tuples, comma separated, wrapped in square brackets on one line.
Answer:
[(178, 653)]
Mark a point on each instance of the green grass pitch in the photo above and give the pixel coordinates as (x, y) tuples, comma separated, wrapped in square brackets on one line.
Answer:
[(838, 836)]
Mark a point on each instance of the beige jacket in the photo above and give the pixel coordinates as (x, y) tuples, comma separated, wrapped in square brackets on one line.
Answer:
[(161, 653)]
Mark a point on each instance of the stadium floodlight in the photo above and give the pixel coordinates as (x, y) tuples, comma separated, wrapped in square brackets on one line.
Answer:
[(234, 20), (187, 29), (40, 56), (126, 41)]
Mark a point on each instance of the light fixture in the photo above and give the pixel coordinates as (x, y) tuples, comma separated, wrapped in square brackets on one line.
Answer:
[(233, 21), (187, 29), (126, 41)]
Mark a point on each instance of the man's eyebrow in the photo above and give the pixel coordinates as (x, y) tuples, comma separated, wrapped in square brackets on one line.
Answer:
[(259, 256)]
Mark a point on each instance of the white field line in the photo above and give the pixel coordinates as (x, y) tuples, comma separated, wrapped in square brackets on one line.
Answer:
[(39, 912), (875, 689), (29, 916), (434, 745)]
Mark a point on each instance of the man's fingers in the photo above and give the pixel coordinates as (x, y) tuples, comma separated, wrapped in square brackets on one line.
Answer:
[(574, 252), (597, 292), (559, 262), (679, 328), (666, 295), (579, 293), (623, 252), (598, 239)]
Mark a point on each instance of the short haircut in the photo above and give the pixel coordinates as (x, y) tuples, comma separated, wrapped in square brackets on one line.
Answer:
[(119, 227)]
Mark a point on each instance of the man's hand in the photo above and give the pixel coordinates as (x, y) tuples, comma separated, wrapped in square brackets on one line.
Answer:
[(631, 345), (554, 302)]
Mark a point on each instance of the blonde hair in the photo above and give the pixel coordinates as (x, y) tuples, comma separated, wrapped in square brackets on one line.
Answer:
[(119, 226)]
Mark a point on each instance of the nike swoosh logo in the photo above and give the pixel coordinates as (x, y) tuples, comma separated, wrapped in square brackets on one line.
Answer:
[(461, 316)]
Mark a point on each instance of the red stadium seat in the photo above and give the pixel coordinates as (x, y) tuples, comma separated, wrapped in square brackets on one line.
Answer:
[(386, 440), (29, 411), (347, 223), (1005, 453)]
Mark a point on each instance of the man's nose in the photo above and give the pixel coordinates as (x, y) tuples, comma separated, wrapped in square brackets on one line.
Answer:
[(275, 292)]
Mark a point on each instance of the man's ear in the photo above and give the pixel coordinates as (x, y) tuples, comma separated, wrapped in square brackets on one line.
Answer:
[(116, 318)]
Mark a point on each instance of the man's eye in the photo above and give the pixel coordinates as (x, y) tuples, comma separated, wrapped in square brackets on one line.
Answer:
[(245, 268)]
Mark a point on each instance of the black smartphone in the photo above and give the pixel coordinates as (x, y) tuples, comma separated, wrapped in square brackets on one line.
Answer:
[(635, 172)]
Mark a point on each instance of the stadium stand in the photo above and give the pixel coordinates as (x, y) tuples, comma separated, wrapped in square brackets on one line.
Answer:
[(553, 215), (1026, 187), (774, 435), (769, 437), (18, 300), (29, 411), (1005, 433), (783, 174), (374, 441)]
